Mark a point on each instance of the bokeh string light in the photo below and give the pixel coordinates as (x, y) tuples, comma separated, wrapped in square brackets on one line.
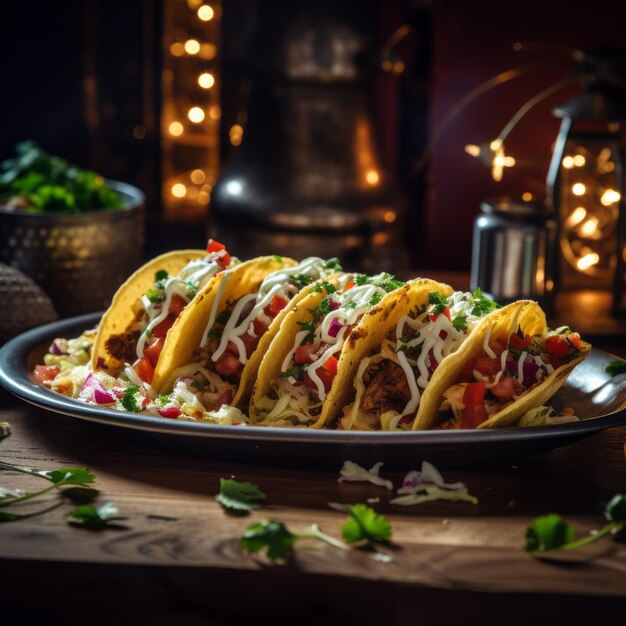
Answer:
[(190, 107)]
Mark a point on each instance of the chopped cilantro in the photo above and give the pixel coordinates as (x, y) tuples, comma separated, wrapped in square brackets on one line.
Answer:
[(192, 290), (160, 275), (277, 258), (364, 524), (154, 295), (333, 264), (325, 285), (239, 497), (439, 301), (349, 305), (271, 536), (223, 317), (295, 372), (129, 400), (302, 280), (375, 299), (615, 367), (147, 333), (482, 304), (460, 322), (309, 326), (361, 279), (94, 518)]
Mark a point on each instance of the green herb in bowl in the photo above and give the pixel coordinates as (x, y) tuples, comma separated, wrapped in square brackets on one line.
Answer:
[(35, 182)]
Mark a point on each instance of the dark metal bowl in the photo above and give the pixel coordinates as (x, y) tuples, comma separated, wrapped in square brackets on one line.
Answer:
[(79, 260)]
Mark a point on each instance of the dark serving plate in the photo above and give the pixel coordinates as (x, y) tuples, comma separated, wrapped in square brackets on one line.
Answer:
[(598, 399)]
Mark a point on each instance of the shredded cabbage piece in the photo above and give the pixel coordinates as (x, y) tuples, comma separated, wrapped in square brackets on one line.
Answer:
[(546, 416), (353, 472)]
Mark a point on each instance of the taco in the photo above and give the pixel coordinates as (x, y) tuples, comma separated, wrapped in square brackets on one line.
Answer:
[(304, 376), (218, 343), (510, 364), (145, 307), (428, 327)]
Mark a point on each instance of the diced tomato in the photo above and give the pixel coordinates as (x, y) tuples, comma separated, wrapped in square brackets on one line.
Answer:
[(303, 354), (576, 341), (473, 416), (177, 305), (445, 312), (330, 365), (224, 260), (144, 369), (520, 343), (231, 347), (228, 365), (324, 375), (250, 343), (171, 412), (260, 327), (474, 394), (214, 246), (277, 304), (487, 366), (145, 402), (349, 285), (466, 373), (160, 330), (504, 388), (557, 346), (44, 374), (154, 350)]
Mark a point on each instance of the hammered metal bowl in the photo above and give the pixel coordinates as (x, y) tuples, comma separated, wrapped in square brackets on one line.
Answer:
[(79, 260)]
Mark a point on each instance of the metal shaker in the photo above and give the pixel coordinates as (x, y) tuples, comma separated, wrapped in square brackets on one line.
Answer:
[(512, 251)]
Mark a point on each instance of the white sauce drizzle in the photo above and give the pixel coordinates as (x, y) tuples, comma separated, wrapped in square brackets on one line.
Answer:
[(216, 303), (488, 351), (520, 366)]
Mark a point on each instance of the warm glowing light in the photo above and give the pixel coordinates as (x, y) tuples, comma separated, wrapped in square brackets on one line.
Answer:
[(207, 51), (215, 112), (609, 197), (203, 197), (195, 115), (176, 129), (177, 49), (579, 214), (380, 239), (587, 261), (235, 134), (495, 145), (499, 162), (472, 150), (579, 189), (179, 190), (372, 177), (206, 80), (206, 13), (197, 177), (527, 196), (579, 160), (192, 46), (390, 217), (194, 4), (589, 227), (568, 162)]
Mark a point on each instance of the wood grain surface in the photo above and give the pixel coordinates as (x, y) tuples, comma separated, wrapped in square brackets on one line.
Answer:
[(175, 531)]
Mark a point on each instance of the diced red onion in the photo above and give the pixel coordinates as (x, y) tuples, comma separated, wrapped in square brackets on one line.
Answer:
[(103, 397), (99, 393), (182, 379), (100, 361), (56, 349), (530, 369), (334, 305), (443, 334), (225, 397), (433, 361), (334, 327)]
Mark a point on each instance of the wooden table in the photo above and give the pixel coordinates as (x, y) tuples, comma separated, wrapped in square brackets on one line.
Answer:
[(177, 559)]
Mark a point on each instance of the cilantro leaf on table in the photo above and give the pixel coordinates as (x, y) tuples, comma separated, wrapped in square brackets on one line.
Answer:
[(548, 532), (70, 476), (94, 518), (364, 524), (239, 497), (615, 367), (270, 536)]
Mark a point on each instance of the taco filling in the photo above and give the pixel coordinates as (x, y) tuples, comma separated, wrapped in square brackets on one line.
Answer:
[(142, 343), (310, 366), (501, 374), (389, 384)]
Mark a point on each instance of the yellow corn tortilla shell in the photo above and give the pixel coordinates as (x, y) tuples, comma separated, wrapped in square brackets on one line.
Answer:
[(530, 317), (120, 314), (184, 338), (365, 337)]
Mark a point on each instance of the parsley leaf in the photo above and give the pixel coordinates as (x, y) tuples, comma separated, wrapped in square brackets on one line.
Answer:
[(94, 518), (160, 275), (239, 497), (615, 367), (129, 400), (272, 537), (460, 322), (364, 524), (482, 304), (548, 532)]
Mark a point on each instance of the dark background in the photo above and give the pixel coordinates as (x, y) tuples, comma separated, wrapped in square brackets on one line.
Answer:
[(81, 77)]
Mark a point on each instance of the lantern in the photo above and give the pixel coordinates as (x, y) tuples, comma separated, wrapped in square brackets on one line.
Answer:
[(586, 186)]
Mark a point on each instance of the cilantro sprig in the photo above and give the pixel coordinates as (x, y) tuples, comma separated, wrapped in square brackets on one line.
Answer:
[(96, 518), (552, 532), (482, 304), (614, 368), (129, 399), (239, 497), (366, 525)]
